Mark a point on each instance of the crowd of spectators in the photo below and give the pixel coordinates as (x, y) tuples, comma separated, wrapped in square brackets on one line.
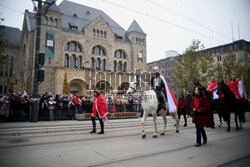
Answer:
[(19, 106)]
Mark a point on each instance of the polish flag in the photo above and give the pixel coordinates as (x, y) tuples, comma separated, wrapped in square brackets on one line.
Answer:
[(172, 103)]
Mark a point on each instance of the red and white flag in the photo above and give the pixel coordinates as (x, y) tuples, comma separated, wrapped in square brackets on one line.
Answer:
[(172, 103)]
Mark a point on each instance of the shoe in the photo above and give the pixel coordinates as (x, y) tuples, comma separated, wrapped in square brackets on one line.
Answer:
[(101, 132), (205, 141), (197, 145), (93, 131), (185, 125)]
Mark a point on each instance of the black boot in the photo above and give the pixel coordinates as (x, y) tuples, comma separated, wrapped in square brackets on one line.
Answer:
[(94, 125), (102, 127)]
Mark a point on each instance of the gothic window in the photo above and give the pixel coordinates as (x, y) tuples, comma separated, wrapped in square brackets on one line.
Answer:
[(93, 32), (103, 52), (55, 23), (78, 48), (97, 50), (92, 62), (136, 40), (142, 41), (105, 34), (101, 34), (50, 21), (73, 61)]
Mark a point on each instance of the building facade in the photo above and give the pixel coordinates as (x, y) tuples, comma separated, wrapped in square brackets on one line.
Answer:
[(81, 42), (9, 62)]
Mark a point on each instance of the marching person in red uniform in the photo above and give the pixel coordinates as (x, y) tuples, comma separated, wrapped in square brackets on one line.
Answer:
[(99, 110), (182, 108), (234, 86), (201, 115)]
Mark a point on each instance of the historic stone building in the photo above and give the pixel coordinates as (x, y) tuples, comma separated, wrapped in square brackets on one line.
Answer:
[(81, 41), (9, 66)]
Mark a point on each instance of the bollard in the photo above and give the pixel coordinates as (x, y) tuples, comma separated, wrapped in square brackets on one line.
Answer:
[(35, 108)]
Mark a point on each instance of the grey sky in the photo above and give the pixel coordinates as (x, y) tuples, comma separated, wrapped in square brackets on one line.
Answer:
[(155, 19)]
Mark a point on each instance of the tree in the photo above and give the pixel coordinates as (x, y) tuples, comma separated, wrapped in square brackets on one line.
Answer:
[(235, 66), (66, 89), (193, 65)]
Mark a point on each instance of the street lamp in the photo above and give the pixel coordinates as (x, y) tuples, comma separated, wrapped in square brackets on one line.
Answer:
[(39, 12)]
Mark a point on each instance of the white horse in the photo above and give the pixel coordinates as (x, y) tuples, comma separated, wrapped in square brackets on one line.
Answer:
[(150, 105)]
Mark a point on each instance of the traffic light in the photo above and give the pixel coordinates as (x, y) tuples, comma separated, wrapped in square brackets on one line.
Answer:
[(40, 76), (41, 59)]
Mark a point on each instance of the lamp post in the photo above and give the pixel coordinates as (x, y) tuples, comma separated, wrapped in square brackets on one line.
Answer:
[(39, 13)]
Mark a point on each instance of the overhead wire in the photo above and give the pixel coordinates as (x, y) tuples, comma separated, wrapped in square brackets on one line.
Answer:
[(11, 9), (191, 20), (161, 20)]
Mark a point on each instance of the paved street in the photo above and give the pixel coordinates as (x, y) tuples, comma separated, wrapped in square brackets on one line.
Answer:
[(121, 145)]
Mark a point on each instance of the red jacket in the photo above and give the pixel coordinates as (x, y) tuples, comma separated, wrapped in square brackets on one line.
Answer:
[(212, 85), (182, 107), (205, 117), (234, 85), (101, 106), (76, 100)]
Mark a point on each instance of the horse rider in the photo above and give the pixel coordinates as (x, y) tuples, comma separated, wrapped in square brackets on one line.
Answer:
[(159, 84), (234, 86)]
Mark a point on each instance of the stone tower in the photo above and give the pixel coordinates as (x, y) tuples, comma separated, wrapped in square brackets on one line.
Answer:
[(138, 46)]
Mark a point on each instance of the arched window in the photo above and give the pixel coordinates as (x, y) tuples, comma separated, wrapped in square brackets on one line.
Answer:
[(115, 64), (73, 61), (136, 39), (101, 34), (66, 60), (98, 63), (120, 54), (45, 21), (79, 62), (103, 65), (93, 32), (98, 50), (125, 67), (141, 41), (97, 33), (120, 66), (104, 34), (103, 52), (67, 46), (72, 46), (50, 21), (92, 62), (140, 56), (55, 23), (78, 48)]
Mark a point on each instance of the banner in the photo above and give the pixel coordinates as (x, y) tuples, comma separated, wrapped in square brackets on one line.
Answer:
[(50, 44)]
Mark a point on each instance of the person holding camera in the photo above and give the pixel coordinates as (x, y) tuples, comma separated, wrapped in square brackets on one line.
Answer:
[(201, 114)]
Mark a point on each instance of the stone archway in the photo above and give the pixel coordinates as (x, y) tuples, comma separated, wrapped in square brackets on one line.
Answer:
[(78, 86), (104, 86)]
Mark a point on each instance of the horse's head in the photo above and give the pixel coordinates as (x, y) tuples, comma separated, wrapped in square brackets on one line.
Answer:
[(132, 86)]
